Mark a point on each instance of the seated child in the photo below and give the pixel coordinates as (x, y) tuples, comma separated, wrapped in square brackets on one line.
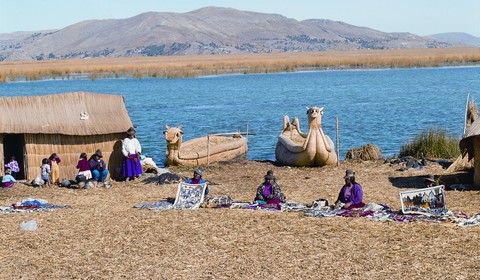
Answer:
[(83, 166), (8, 181), (46, 171)]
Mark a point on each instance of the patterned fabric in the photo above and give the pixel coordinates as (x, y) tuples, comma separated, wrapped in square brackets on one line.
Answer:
[(13, 165)]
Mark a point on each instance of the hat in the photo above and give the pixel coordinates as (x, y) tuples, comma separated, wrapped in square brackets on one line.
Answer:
[(199, 171), (269, 176), (349, 173), (430, 178), (131, 131), (98, 153)]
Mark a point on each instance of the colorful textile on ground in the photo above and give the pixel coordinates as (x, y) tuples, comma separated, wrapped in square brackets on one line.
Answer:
[(383, 213), (372, 211), (427, 201), (189, 196), (157, 206), (31, 205), (222, 201)]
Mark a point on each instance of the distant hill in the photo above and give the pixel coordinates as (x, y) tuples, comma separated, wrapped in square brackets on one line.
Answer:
[(458, 38), (209, 30)]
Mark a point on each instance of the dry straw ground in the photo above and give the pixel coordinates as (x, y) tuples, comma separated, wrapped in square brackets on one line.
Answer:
[(102, 237)]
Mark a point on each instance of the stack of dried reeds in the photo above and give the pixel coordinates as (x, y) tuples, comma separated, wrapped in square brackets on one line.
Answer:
[(367, 152)]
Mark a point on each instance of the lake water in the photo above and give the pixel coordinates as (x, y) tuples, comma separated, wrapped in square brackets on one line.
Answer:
[(383, 107)]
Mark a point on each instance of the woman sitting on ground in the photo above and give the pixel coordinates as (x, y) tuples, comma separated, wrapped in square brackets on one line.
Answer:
[(351, 194), (269, 191), (197, 179), (98, 167)]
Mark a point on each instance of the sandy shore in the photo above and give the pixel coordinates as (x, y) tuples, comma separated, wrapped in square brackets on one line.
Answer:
[(102, 237)]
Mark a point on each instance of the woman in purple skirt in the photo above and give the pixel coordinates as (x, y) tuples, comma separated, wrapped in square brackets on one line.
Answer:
[(131, 150)]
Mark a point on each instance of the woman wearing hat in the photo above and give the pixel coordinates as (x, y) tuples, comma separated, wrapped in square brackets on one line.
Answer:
[(269, 191), (351, 194), (98, 167), (131, 150), (197, 178), (429, 181)]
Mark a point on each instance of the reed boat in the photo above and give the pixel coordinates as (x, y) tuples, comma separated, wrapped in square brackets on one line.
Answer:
[(204, 150)]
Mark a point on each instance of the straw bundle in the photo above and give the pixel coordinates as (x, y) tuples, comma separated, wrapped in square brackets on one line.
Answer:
[(368, 152)]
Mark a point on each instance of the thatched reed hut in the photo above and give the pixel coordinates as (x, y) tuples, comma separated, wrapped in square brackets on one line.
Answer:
[(34, 127)]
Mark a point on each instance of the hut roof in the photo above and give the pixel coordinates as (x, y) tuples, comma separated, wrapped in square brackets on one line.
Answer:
[(466, 144), (77, 113)]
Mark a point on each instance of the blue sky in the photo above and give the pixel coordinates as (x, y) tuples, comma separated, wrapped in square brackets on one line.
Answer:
[(421, 17)]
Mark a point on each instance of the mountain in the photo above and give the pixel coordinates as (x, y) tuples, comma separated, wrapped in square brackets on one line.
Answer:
[(210, 30), (458, 38)]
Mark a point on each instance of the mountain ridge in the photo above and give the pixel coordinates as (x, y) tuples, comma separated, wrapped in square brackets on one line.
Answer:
[(458, 37), (208, 30)]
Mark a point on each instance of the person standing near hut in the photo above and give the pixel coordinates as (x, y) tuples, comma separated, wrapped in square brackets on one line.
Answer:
[(54, 160), (131, 150)]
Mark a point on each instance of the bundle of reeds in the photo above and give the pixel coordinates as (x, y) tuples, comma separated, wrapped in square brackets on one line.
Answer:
[(367, 152)]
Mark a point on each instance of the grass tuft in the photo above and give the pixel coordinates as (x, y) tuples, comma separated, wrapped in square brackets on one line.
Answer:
[(432, 143)]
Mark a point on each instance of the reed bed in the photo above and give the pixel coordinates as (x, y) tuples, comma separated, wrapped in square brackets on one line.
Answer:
[(433, 143), (102, 237), (201, 65)]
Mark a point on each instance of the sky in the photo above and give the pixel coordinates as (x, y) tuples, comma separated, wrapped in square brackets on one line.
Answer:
[(421, 17)]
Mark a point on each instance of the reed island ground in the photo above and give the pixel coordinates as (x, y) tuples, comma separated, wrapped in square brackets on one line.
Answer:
[(101, 236)]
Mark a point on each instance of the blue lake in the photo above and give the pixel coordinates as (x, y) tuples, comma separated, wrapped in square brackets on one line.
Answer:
[(383, 107)]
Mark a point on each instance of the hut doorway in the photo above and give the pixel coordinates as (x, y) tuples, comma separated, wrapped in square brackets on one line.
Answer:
[(13, 145)]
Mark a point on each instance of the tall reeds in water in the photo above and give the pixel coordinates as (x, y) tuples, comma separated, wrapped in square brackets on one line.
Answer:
[(432, 143), (201, 65)]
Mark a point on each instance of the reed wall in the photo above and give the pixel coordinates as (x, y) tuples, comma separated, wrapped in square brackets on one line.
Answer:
[(69, 148)]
